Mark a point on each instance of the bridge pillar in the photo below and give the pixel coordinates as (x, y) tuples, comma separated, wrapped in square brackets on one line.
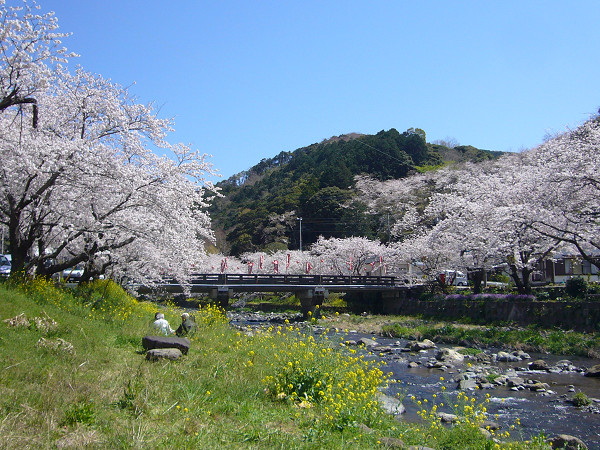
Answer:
[(221, 294), (311, 301)]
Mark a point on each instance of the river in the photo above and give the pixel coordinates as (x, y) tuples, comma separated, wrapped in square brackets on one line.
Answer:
[(550, 413)]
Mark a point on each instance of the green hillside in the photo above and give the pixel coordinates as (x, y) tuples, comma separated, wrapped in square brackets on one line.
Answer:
[(261, 206)]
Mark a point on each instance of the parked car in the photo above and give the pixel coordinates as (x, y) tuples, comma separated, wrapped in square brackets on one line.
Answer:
[(73, 274), (455, 277), (5, 266)]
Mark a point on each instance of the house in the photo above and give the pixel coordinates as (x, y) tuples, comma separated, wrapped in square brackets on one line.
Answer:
[(563, 267)]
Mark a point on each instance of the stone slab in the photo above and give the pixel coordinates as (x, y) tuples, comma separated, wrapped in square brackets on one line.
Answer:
[(152, 342), (156, 354)]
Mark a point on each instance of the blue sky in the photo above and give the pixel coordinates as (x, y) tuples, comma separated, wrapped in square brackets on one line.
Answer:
[(245, 80)]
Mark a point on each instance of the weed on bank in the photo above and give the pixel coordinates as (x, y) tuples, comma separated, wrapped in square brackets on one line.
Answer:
[(73, 374), (531, 338), (506, 335)]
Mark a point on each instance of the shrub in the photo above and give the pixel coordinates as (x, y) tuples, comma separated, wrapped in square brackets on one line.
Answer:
[(499, 277), (593, 288), (40, 290), (309, 373), (542, 295), (491, 377), (576, 287), (397, 330), (469, 351), (335, 301), (106, 298), (580, 399), (210, 315)]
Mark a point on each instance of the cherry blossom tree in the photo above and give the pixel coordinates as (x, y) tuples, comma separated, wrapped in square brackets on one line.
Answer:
[(220, 263), (421, 238), (349, 256), (568, 192), (93, 186), (472, 217), (489, 211), (431, 252), (473, 247), (514, 212), (80, 184)]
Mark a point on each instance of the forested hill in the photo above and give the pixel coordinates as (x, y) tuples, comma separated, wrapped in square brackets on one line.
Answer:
[(261, 206)]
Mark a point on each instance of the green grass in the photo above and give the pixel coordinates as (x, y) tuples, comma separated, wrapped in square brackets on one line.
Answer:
[(532, 338), (469, 351), (73, 374)]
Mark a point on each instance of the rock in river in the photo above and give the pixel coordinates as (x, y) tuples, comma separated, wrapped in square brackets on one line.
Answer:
[(507, 357), (416, 346), (449, 355), (567, 442), (539, 364), (390, 405), (593, 371)]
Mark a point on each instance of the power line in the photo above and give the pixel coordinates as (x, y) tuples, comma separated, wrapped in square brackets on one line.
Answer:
[(381, 151)]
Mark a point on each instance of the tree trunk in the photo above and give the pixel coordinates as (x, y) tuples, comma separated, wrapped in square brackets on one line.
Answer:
[(477, 276), (18, 248), (13, 100), (521, 279)]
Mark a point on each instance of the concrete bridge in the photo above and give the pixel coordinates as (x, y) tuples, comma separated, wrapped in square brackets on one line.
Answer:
[(310, 289)]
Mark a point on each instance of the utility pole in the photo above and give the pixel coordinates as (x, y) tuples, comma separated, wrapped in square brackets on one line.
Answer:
[(388, 227), (300, 220)]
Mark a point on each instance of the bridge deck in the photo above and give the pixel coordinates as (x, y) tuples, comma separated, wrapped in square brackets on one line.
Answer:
[(282, 283), (282, 279)]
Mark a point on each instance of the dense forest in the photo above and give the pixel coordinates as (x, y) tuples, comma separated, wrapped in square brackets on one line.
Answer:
[(264, 207)]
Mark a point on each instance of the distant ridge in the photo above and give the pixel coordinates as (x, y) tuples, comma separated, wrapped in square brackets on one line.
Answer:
[(342, 137)]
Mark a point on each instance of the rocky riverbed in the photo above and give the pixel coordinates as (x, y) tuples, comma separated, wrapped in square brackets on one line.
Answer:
[(529, 393)]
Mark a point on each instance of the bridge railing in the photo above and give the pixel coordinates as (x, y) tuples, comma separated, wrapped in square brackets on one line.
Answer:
[(282, 279)]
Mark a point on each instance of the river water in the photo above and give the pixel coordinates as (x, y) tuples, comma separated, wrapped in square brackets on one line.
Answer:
[(537, 413), (549, 413)]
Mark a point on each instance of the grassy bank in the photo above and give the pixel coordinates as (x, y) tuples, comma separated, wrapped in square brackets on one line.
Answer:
[(506, 336), (73, 374)]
